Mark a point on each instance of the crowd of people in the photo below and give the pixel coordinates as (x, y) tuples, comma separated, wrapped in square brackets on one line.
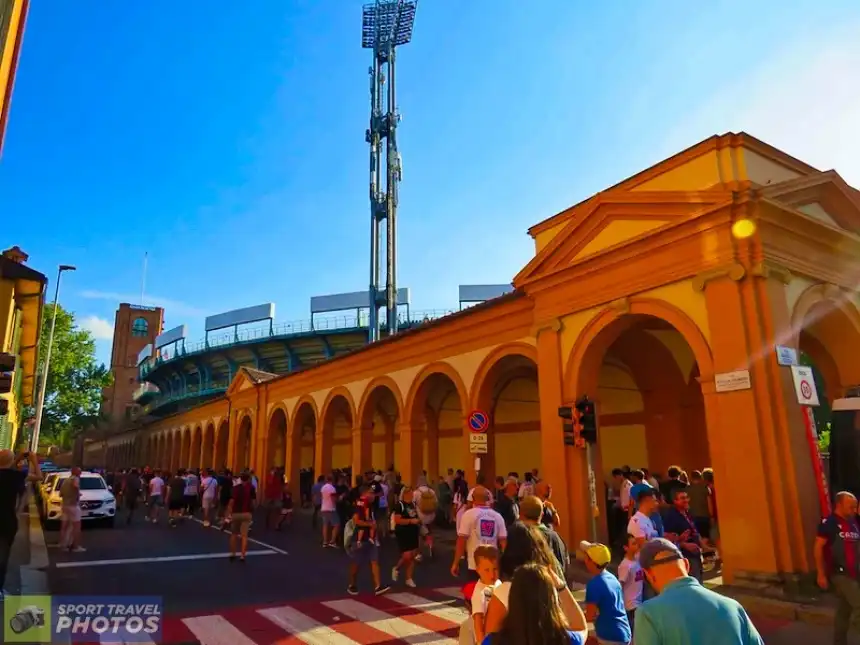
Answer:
[(517, 563)]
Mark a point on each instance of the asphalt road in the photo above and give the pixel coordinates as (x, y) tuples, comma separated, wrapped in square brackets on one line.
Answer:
[(188, 566), (286, 571)]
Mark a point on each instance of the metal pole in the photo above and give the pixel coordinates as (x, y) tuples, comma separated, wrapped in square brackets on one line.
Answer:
[(40, 402), (373, 140), (592, 490), (391, 200)]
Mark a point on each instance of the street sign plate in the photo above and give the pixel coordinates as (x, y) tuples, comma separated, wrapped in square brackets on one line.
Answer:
[(478, 448), (804, 385), (478, 421), (477, 437)]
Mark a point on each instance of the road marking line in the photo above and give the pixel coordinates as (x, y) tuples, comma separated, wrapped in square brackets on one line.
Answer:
[(167, 558), (441, 610), (216, 630), (453, 592), (305, 628), (250, 539), (388, 624)]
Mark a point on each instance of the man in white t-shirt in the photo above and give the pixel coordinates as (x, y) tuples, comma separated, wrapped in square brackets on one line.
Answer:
[(640, 525), (156, 496), (208, 487), (480, 525), (328, 512)]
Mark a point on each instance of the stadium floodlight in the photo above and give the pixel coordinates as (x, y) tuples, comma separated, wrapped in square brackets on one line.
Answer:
[(385, 24)]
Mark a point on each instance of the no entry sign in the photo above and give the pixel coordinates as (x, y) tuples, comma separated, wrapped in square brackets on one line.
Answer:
[(478, 421), (804, 385)]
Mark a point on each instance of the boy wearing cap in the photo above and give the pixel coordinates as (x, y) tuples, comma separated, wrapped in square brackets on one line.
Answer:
[(684, 611), (604, 599)]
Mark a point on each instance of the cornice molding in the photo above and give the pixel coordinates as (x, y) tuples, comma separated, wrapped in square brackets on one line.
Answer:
[(734, 271), (622, 305), (771, 270)]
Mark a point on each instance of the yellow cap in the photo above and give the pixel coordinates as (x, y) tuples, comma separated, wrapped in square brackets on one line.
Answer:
[(599, 554)]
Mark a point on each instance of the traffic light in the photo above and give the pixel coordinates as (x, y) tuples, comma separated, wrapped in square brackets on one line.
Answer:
[(7, 366), (587, 417), (568, 425)]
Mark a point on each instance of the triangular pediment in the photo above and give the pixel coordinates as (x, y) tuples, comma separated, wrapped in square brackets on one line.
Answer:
[(612, 220), (246, 378), (823, 196)]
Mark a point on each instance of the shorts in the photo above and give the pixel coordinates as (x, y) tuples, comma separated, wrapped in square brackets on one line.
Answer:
[(176, 504), (72, 513), (330, 518), (364, 553), (191, 501), (208, 502), (155, 500), (273, 505), (240, 524)]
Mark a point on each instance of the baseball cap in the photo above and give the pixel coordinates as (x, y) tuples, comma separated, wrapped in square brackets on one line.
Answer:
[(658, 551), (531, 508), (599, 554)]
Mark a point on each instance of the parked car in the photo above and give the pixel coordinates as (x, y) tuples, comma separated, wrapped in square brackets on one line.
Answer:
[(97, 500)]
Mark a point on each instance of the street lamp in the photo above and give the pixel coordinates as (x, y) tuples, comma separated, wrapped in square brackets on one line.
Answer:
[(40, 402)]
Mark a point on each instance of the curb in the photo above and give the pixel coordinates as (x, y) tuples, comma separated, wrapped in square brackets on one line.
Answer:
[(34, 579)]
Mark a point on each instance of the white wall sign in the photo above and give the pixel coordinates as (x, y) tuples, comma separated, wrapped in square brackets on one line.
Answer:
[(786, 355), (804, 385), (478, 448), (733, 381)]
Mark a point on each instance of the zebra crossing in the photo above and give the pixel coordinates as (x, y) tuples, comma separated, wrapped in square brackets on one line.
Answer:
[(427, 616)]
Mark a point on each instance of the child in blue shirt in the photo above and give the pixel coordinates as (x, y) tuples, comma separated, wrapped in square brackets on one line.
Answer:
[(604, 598)]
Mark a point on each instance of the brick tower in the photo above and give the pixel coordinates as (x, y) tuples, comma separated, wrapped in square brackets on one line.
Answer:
[(135, 327)]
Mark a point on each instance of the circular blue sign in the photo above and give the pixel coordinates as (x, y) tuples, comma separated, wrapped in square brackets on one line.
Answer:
[(478, 421)]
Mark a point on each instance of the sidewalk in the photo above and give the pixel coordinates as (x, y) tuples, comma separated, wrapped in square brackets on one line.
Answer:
[(29, 559)]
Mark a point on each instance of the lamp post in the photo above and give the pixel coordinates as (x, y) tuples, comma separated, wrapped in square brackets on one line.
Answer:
[(40, 402)]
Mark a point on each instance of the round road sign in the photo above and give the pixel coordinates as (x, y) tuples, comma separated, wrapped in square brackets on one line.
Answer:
[(478, 421), (806, 390)]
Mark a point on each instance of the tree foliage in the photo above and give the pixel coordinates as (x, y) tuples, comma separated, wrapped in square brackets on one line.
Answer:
[(75, 379)]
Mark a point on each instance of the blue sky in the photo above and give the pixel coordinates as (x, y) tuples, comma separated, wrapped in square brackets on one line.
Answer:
[(227, 139)]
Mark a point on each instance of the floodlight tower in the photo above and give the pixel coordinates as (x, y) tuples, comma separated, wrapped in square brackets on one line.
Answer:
[(385, 25)]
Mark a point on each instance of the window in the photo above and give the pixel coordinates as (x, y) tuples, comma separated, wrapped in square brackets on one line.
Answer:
[(140, 327), (92, 483)]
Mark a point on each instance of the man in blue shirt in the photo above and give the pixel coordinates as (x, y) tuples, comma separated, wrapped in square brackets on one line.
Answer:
[(685, 612), (604, 599)]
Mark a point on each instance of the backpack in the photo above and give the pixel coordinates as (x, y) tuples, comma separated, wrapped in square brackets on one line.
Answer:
[(348, 533), (427, 503)]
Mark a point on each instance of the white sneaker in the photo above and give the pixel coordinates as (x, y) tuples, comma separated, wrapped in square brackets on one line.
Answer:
[(394, 573), (78, 549), (411, 583)]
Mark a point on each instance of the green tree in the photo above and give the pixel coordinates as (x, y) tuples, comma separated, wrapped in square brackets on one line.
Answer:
[(75, 380)]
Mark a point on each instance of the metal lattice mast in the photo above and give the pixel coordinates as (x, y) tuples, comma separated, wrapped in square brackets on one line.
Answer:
[(386, 24)]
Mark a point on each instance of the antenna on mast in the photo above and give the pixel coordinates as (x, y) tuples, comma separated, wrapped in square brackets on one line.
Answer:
[(143, 280)]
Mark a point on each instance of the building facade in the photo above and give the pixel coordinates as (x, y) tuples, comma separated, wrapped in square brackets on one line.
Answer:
[(13, 15), (22, 295), (664, 298)]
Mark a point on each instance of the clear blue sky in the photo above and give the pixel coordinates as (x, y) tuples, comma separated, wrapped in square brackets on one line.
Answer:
[(227, 139)]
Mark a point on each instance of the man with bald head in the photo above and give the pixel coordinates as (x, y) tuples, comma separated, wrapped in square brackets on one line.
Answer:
[(837, 561), (479, 526), (12, 480)]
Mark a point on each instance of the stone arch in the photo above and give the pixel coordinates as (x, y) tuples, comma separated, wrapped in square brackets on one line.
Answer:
[(334, 432), (194, 457), (378, 417), (175, 446), (643, 365), (276, 438), (301, 447), (435, 407), (825, 326), (222, 444), (244, 442), (506, 389), (207, 453)]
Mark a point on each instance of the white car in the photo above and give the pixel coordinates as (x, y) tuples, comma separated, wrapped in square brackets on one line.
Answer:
[(97, 501)]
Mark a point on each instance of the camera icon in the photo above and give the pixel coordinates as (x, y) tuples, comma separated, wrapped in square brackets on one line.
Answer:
[(27, 618)]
